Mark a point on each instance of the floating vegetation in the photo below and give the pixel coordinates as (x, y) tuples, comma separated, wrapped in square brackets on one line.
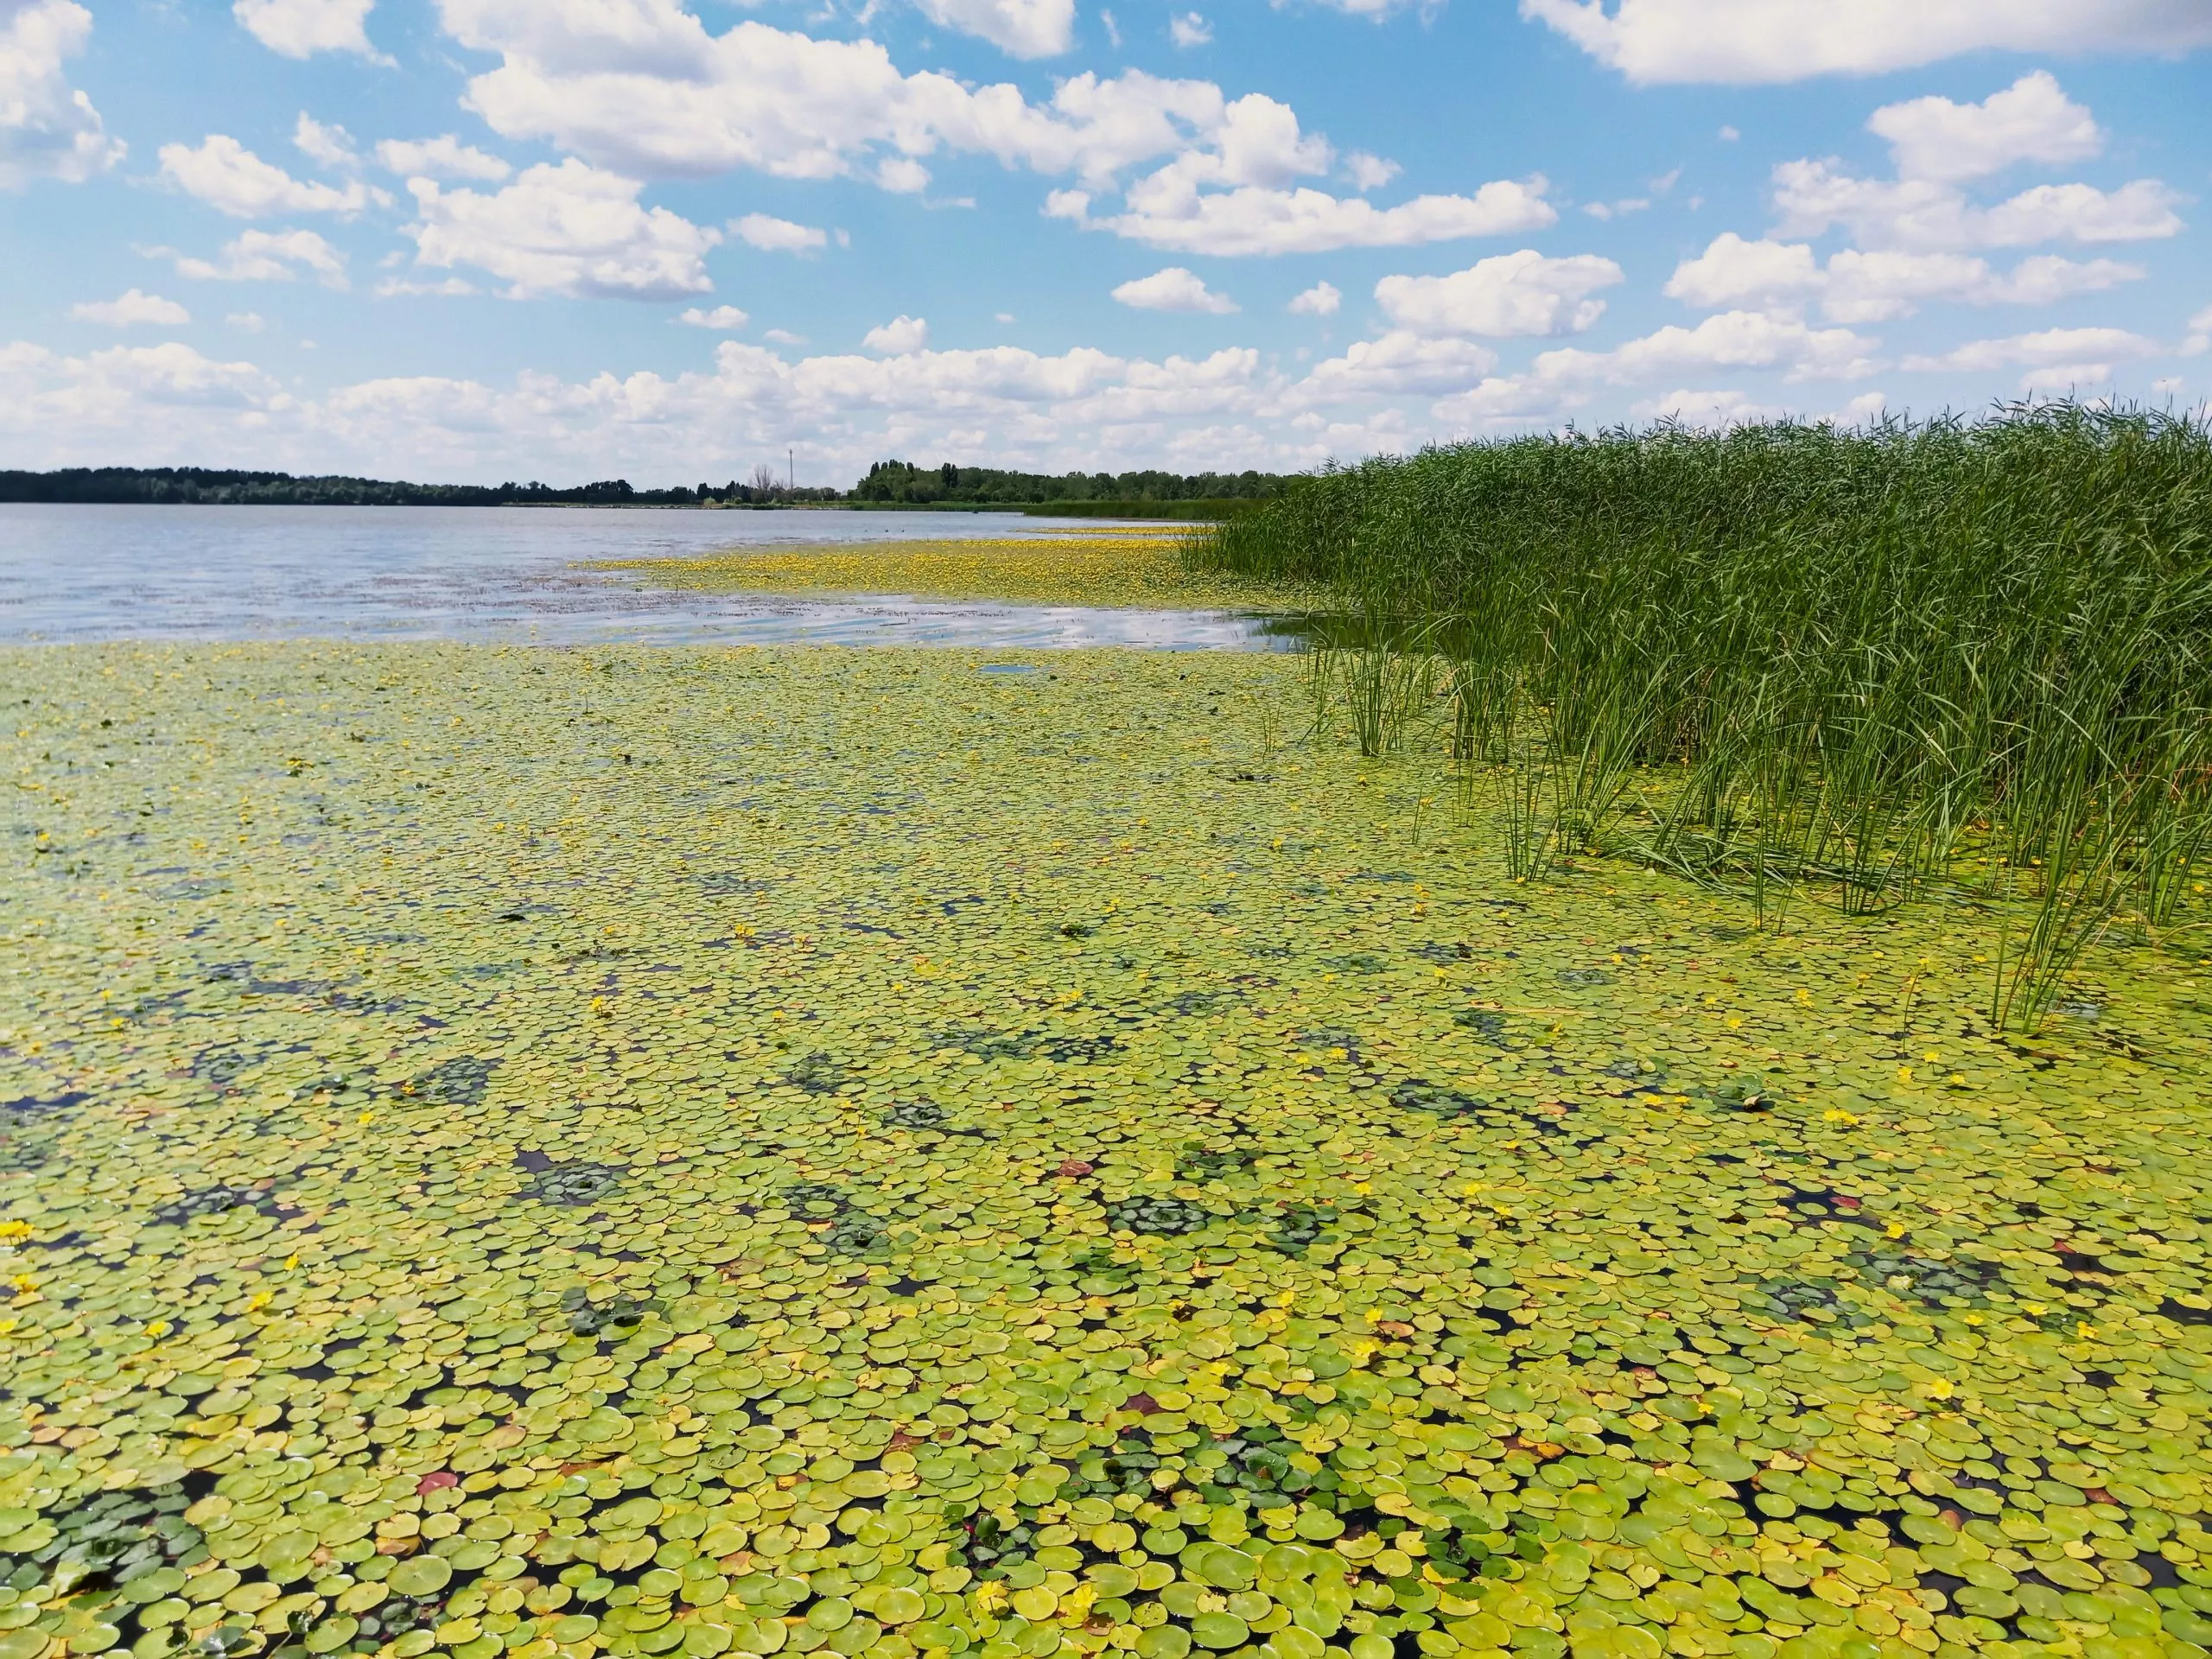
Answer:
[(577, 1183), (841, 1260), (1142, 569)]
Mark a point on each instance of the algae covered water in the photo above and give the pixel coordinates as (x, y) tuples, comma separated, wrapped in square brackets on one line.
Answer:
[(637, 1152), (543, 576)]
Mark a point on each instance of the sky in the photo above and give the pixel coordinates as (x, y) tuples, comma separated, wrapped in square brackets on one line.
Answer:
[(672, 240)]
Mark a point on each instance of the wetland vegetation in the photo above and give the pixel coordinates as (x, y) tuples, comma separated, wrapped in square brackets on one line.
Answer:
[(941, 1155), (1969, 657)]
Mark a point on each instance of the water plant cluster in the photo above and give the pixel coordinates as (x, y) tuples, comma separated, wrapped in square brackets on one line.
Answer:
[(561, 1154), (1970, 657), (1117, 566)]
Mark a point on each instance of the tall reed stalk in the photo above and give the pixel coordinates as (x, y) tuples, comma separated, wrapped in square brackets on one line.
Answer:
[(1801, 657)]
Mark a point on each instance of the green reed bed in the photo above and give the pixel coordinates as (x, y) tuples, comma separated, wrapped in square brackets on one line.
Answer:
[(1967, 656)]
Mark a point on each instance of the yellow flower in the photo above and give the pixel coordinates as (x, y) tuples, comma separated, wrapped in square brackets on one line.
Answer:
[(11, 1231), (291, 1260), (159, 1329), (1895, 1229), (1904, 1074), (366, 1117), (259, 1299), (24, 1282), (2082, 1328), (1939, 1389), (1837, 1115)]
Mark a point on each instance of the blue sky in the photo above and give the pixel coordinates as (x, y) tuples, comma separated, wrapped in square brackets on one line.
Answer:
[(671, 239)]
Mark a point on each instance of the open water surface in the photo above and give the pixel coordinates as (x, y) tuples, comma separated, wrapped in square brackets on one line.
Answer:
[(92, 573)]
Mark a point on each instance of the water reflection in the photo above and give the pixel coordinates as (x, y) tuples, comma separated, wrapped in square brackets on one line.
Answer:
[(91, 572)]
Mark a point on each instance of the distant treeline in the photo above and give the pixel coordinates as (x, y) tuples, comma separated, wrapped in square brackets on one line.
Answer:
[(205, 485), (904, 482), (888, 483)]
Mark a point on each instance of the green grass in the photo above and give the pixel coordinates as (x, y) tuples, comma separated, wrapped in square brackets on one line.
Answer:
[(1964, 656)]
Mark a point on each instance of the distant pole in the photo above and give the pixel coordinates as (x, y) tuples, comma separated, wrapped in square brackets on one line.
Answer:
[(791, 468)]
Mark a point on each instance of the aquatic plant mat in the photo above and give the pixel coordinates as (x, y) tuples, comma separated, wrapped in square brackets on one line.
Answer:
[(1143, 570), (918, 1154)]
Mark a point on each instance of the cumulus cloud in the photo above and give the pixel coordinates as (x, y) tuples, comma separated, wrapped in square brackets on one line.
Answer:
[(2199, 339), (331, 145), (725, 318), (2055, 359), (1860, 286), (48, 129), (167, 398), (1168, 211), (130, 310), (571, 230), (268, 257), (777, 235), (230, 178), (1751, 42), (442, 157), (643, 89), (1369, 172), (1812, 197), (1714, 410), (1521, 293), (1173, 289), (1322, 300), (1189, 30), (1563, 379), (1398, 363), (902, 336), (2031, 120), (300, 28), (1020, 29)]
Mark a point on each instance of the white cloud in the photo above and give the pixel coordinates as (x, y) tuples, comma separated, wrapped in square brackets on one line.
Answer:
[(1369, 172), (725, 318), (1860, 286), (1020, 29), (331, 145), (1398, 363), (643, 89), (1750, 42), (903, 336), (2200, 334), (268, 257), (784, 337), (1922, 213), (131, 310), (442, 157), (2055, 359), (453, 287), (2031, 120), (1173, 289), (572, 231), (48, 129), (1322, 300), (1189, 30), (165, 398), (246, 323), (300, 28), (1733, 342), (1168, 211), (777, 235), (1521, 293), (232, 180), (1733, 339), (1714, 410)]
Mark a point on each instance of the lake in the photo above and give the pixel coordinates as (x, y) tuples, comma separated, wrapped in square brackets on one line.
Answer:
[(71, 573)]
